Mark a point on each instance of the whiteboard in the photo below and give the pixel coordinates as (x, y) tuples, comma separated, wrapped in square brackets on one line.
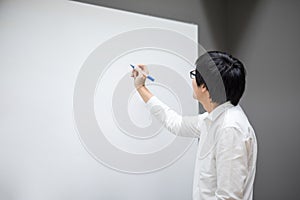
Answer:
[(72, 126)]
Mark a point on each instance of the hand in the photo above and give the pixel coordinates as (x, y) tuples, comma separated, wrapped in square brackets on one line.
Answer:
[(139, 77)]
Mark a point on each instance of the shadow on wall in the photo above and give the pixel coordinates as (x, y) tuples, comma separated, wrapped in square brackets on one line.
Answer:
[(239, 16), (232, 13)]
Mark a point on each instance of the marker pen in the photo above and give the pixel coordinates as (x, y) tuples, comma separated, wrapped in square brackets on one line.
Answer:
[(147, 75)]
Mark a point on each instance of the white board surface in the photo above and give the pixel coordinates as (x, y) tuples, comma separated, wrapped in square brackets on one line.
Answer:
[(46, 48)]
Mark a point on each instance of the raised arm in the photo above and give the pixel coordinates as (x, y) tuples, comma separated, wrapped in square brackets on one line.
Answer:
[(186, 126)]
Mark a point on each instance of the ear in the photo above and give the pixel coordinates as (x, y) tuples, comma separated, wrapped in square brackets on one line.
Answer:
[(203, 88)]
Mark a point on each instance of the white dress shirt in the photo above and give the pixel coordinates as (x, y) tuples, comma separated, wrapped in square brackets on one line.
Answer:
[(227, 152)]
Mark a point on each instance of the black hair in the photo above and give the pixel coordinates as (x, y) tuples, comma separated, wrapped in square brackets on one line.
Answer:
[(213, 65)]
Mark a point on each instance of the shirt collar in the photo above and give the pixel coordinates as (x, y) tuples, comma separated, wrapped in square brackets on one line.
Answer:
[(212, 116)]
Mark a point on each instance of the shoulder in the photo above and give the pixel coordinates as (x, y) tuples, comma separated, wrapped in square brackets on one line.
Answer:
[(236, 119)]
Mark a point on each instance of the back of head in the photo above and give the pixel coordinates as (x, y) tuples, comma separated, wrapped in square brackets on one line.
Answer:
[(223, 75)]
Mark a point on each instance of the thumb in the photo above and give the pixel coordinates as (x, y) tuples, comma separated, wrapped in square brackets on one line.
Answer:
[(141, 66)]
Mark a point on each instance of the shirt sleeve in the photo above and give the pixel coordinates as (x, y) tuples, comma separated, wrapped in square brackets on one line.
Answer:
[(231, 164), (185, 126)]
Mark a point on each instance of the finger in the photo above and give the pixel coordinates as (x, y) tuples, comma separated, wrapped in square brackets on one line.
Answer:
[(138, 71), (135, 74), (141, 75), (141, 66)]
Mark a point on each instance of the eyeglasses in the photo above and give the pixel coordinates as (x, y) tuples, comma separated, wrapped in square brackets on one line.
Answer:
[(193, 74)]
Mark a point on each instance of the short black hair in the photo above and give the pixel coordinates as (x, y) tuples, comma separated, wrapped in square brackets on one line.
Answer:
[(215, 64)]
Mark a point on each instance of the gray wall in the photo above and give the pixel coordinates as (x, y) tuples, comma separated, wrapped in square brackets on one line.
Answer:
[(267, 40), (264, 34)]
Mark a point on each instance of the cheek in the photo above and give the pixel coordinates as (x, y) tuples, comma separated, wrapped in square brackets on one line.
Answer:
[(194, 84)]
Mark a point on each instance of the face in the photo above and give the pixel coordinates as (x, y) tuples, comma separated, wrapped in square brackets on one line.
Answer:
[(199, 93), (194, 84)]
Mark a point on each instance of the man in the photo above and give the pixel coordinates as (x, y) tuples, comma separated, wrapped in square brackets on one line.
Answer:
[(227, 152)]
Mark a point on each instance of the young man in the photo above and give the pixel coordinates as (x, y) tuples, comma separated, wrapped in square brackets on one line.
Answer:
[(227, 152)]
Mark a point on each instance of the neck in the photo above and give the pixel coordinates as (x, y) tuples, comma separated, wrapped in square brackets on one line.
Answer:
[(210, 106)]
